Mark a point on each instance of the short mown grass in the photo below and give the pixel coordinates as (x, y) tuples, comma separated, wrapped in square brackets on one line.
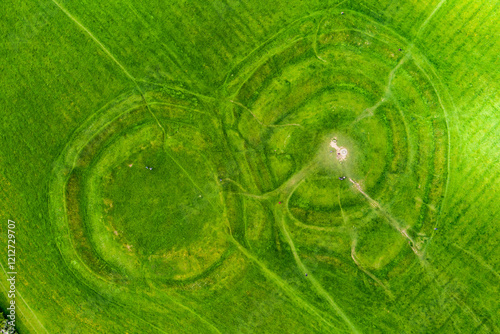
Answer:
[(170, 171)]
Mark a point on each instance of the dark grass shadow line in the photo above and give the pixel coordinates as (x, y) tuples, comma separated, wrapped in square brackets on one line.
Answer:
[(174, 300)]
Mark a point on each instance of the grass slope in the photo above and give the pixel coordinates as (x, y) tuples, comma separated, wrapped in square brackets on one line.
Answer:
[(242, 225)]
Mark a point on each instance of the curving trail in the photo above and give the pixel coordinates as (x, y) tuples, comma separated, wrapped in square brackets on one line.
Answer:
[(353, 254), (307, 102), (39, 327), (392, 221), (296, 179), (369, 112), (112, 57)]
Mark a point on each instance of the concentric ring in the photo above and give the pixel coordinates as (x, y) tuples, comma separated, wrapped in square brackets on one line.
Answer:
[(361, 83)]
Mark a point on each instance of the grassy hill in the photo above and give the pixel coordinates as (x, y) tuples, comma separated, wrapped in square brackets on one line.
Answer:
[(177, 167)]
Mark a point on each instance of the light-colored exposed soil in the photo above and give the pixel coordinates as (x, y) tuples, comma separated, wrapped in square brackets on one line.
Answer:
[(341, 151)]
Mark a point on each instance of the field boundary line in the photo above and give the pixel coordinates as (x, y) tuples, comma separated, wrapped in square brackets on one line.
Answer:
[(205, 321)]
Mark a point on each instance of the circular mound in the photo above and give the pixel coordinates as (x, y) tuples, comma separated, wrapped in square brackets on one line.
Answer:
[(346, 79)]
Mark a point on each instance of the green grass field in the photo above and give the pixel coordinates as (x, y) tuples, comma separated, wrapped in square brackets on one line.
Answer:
[(175, 167)]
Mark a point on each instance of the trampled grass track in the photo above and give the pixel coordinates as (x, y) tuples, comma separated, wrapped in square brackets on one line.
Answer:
[(390, 79), (259, 179), (34, 322)]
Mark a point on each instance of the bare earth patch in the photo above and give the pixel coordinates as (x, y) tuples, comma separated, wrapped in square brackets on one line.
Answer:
[(341, 151)]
